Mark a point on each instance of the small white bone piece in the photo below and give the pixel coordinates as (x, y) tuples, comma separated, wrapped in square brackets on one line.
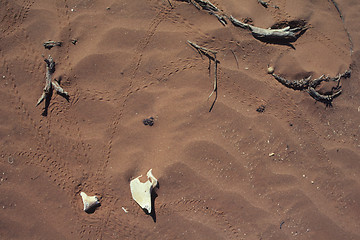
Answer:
[(89, 201), (141, 192)]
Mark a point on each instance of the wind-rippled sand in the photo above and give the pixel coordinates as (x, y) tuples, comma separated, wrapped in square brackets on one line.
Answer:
[(290, 172)]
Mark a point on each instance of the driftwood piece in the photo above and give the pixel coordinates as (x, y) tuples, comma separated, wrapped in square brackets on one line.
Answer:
[(286, 33), (51, 44), (211, 54), (50, 84), (275, 34), (309, 85)]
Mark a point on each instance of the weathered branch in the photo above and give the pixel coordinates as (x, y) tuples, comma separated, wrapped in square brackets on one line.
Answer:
[(309, 85), (327, 99), (59, 89), (286, 33), (294, 84), (51, 44), (50, 85)]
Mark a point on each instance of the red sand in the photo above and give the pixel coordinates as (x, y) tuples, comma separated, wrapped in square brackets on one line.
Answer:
[(217, 180)]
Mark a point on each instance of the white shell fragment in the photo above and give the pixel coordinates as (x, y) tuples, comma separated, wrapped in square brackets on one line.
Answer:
[(141, 192), (89, 201)]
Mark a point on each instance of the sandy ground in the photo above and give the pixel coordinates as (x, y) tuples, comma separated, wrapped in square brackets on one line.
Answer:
[(218, 177)]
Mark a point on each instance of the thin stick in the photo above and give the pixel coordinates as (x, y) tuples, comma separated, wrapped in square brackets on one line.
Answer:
[(203, 50), (236, 59), (215, 81), (170, 4), (211, 54)]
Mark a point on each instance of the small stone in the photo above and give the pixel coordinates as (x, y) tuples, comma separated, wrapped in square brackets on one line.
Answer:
[(271, 154), (312, 182), (270, 70)]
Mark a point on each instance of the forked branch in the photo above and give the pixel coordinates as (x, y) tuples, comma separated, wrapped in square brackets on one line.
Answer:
[(50, 84), (309, 85)]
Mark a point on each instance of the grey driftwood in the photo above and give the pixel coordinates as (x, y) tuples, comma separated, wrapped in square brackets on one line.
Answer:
[(286, 33)]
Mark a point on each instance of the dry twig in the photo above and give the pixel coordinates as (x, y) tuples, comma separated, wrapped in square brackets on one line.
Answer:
[(210, 8), (211, 54), (236, 59)]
